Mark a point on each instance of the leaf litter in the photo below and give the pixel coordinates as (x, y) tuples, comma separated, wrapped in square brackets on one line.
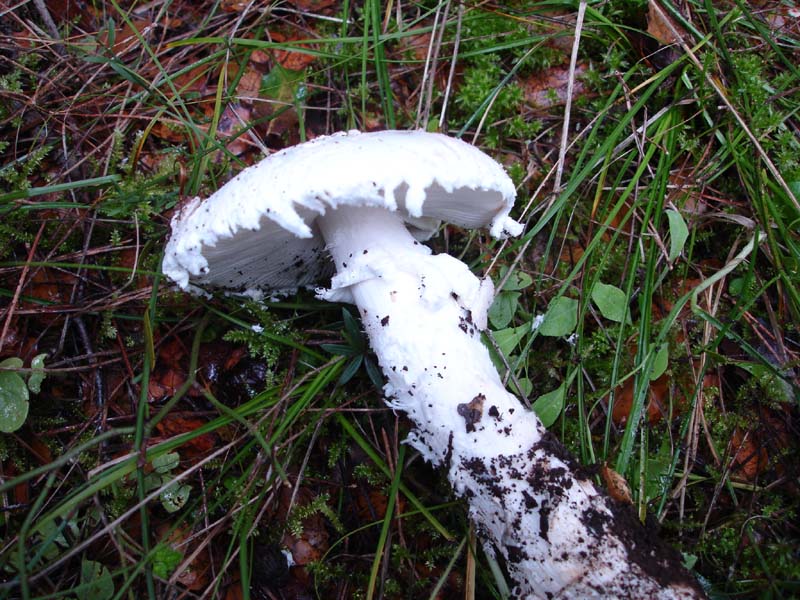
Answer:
[(106, 108)]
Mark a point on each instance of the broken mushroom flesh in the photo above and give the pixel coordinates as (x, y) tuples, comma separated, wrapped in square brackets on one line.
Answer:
[(558, 534)]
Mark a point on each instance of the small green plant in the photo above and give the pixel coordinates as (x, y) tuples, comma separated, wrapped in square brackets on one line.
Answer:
[(506, 301), (96, 581), (165, 561), (17, 174), (356, 349), (263, 337), (174, 495), (15, 391), (319, 505)]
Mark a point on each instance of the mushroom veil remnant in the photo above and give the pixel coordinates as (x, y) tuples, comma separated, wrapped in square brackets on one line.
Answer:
[(367, 200)]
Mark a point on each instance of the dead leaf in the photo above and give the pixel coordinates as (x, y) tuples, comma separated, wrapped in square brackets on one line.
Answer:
[(125, 36), (232, 121), (234, 591), (217, 358), (783, 18), (548, 88), (259, 58), (231, 6), (129, 258), (662, 306), (51, 286), (195, 575), (249, 86), (9, 345), (21, 493), (313, 6), (291, 59), (749, 456), (616, 484), (78, 12), (165, 383), (312, 543), (40, 451), (172, 352), (195, 80), (173, 425), (661, 26), (170, 130), (416, 46), (657, 403), (684, 192)]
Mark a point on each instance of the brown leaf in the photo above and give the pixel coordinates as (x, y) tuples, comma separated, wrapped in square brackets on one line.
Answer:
[(40, 451), (21, 494), (78, 12), (234, 591), (194, 80), (233, 5), (173, 425), (548, 88), (129, 258), (249, 86), (311, 5), (662, 306), (165, 383), (749, 456), (233, 120), (53, 286), (616, 484), (371, 504), (312, 543), (50, 285), (661, 26), (416, 46), (216, 358), (233, 358), (783, 18), (291, 59), (657, 403), (172, 353), (170, 130), (125, 36), (684, 192), (259, 58), (10, 344), (196, 575)]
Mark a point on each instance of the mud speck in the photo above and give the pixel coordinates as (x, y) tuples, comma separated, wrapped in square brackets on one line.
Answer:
[(472, 411)]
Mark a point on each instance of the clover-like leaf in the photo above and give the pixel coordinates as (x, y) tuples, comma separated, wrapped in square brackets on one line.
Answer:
[(611, 302), (678, 233), (507, 339), (561, 317), (174, 497), (14, 402), (96, 581), (166, 462), (548, 406), (660, 362), (37, 373), (503, 309), (516, 281)]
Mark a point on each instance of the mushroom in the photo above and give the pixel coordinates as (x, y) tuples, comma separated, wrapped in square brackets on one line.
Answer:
[(368, 199)]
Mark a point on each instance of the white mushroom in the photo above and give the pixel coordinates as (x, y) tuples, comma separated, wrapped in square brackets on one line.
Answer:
[(368, 199)]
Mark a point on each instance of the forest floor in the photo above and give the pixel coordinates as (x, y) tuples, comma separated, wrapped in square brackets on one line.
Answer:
[(157, 444)]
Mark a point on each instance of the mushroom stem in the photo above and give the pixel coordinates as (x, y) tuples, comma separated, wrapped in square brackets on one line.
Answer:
[(527, 496)]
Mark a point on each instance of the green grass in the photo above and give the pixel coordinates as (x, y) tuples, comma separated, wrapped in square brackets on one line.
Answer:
[(675, 193)]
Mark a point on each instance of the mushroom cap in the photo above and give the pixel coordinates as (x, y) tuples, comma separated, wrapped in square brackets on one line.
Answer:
[(257, 232)]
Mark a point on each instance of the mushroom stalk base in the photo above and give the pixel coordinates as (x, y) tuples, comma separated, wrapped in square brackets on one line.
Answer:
[(529, 499)]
